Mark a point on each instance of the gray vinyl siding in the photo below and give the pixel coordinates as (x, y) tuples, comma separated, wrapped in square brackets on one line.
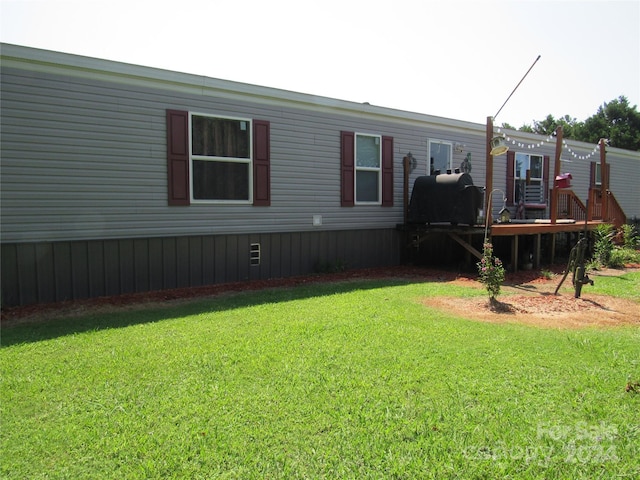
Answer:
[(625, 183), (84, 153), (85, 158)]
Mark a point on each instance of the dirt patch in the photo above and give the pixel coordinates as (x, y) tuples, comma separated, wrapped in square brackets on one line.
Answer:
[(533, 302)]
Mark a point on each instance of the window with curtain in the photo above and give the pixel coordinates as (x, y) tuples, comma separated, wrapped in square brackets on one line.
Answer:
[(368, 154), (220, 158)]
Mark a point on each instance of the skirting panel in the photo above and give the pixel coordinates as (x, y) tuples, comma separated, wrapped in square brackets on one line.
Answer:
[(58, 271)]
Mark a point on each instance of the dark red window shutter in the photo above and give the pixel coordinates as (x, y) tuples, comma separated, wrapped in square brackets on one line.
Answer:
[(347, 164), (511, 160), (261, 163), (545, 177), (387, 171), (178, 157)]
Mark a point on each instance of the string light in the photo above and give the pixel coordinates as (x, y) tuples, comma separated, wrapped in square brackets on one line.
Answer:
[(580, 157), (549, 139)]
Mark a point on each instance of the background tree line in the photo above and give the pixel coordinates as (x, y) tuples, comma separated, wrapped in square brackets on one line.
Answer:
[(615, 120)]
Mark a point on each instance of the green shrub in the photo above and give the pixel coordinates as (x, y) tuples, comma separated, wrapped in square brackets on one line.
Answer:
[(607, 254), (623, 256), (630, 237), (602, 244), (325, 266), (547, 274)]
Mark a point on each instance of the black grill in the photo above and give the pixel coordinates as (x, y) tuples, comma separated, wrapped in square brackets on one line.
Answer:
[(446, 198)]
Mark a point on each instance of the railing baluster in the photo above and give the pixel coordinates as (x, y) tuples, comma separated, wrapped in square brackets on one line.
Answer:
[(570, 206)]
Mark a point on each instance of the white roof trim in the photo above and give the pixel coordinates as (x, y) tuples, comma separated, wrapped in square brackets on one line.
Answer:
[(107, 70), (88, 67)]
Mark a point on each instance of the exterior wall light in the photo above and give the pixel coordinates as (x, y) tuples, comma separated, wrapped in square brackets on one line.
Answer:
[(498, 146)]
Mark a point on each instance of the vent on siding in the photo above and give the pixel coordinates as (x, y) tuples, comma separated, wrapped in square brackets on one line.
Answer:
[(254, 255)]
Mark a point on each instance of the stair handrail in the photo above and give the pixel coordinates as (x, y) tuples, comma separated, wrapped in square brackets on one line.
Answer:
[(570, 205), (615, 214)]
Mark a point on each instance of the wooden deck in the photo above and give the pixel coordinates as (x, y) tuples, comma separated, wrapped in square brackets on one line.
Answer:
[(504, 229), (537, 229), (509, 229), (463, 234)]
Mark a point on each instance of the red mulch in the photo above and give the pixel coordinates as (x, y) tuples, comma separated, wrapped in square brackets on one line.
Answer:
[(48, 311)]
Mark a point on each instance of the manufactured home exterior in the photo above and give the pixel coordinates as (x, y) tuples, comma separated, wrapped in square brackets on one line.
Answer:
[(118, 178)]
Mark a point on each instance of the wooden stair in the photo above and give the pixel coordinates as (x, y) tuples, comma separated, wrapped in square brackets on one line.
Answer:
[(570, 206)]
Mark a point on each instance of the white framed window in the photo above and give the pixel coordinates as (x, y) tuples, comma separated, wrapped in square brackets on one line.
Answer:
[(221, 159), (368, 155), (529, 170), (598, 174), (440, 156)]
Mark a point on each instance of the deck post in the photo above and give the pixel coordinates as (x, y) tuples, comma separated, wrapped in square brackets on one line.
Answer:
[(537, 250), (556, 171), (488, 182), (514, 253), (604, 181), (405, 183)]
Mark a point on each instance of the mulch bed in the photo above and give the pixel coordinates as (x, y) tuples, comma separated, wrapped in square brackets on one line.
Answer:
[(40, 312)]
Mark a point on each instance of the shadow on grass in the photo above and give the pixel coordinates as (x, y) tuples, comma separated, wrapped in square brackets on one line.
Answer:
[(80, 317), (526, 288), (496, 306), (613, 278)]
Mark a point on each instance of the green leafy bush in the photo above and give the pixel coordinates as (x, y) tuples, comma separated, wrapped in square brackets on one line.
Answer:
[(547, 274), (630, 237), (621, 256), (607, 254), (602, 244), (338, 266)]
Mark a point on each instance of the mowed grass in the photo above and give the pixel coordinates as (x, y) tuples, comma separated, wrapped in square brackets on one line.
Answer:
[(350, 380), (622, 286)]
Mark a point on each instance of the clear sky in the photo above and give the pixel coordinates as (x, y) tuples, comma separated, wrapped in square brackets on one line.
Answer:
[(454, 58)]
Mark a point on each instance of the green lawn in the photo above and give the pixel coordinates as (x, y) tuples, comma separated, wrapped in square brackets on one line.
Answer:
[(623, 286), (350, 380)]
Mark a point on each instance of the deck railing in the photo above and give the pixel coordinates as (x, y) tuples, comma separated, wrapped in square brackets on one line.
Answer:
[(570, 206), (615, 214), (595, 204)]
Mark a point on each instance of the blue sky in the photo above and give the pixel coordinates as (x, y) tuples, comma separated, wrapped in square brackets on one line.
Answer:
[(456, 59)]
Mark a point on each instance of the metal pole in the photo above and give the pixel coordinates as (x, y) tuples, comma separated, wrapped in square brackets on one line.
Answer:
[(505, 102), (488, 183)]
